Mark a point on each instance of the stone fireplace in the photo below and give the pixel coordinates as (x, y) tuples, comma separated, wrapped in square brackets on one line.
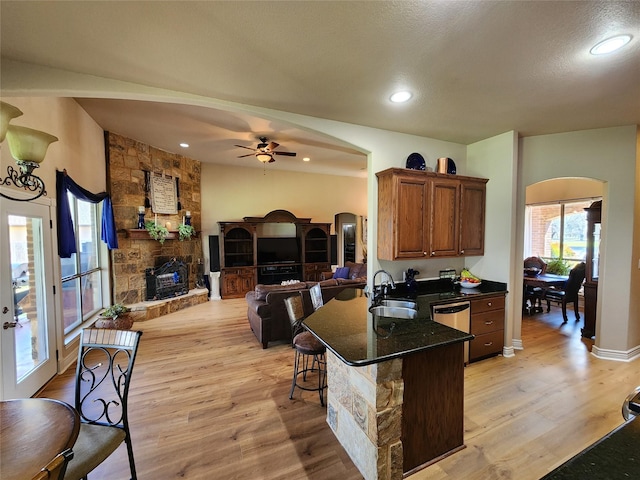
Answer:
[(127, 161)]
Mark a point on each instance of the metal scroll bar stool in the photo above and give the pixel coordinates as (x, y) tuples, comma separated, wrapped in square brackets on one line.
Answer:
[(308, 348)]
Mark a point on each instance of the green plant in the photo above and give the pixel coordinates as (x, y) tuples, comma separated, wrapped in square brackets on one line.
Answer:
[(115, 310), (157, 232), (558, 266), (185, 232)]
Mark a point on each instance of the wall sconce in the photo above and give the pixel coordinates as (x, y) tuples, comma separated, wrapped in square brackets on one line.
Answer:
[(28, 147)]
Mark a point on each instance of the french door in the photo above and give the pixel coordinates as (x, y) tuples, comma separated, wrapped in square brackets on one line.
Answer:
[(27, 337)]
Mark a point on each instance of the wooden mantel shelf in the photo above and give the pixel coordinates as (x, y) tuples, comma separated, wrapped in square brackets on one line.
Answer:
[(143, 234)]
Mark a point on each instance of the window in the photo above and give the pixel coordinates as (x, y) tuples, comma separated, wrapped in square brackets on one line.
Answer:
[(82, 273), (557, 230)]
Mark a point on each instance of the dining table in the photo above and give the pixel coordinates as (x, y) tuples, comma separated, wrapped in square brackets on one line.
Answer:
[(32, 432), (545, 280)]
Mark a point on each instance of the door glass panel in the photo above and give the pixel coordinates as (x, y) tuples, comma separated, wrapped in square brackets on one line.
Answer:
[(27, 272)]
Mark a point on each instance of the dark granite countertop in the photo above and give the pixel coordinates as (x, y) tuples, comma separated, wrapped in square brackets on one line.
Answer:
[(615, 456), (347, 329)]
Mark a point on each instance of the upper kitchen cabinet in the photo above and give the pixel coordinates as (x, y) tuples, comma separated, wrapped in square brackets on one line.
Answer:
[(472, 206), (428, 215), (403, 227)]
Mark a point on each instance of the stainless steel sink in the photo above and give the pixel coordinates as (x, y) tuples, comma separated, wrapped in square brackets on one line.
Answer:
[(393, 312), (390, 302)]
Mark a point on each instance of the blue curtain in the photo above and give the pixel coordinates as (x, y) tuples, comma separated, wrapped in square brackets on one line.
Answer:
[(66, 233)]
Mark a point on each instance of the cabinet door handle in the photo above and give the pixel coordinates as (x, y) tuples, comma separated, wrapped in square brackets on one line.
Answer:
[(489, 304), (433, 254), (488, 344), (462, 251), (424, 253), (489, 322)]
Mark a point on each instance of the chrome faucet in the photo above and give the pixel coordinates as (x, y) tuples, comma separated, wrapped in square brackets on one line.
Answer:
[(383, 288)]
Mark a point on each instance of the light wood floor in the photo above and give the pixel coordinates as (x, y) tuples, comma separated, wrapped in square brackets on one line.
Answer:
[(207, 402)]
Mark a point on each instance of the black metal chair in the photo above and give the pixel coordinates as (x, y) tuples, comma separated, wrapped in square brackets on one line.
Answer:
[(103, 376), (308, 349), (569, 293)]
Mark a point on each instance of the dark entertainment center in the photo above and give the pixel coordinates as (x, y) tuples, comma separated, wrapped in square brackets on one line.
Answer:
[(252, 252)]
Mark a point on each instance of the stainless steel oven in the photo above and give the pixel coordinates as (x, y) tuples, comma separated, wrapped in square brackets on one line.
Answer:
[(455, 315)]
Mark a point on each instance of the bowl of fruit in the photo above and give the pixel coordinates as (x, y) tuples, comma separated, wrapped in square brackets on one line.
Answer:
[(468, 279)]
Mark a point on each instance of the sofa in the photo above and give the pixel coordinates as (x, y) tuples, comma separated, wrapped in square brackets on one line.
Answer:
[(266, 310)]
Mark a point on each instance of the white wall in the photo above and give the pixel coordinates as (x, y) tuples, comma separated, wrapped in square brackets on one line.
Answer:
[(608, 155), (496, 158)]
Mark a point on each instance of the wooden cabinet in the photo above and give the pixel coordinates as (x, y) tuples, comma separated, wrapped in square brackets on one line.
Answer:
[(403, 226), (238, 254), (428, 215), (592, 268), (487, 325), (316, 243), (444, 217), (472, 215), (237, 281), (240, 269)]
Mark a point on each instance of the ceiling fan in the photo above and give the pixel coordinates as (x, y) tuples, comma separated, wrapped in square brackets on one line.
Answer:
[(265, 151)]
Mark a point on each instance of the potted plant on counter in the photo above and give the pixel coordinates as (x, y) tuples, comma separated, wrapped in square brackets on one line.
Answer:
[(115, 317)]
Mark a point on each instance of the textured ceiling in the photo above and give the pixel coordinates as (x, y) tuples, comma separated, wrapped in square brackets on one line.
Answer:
[(477, 68)]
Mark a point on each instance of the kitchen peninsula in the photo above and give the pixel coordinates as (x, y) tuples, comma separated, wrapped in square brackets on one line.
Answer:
[(395, 395)]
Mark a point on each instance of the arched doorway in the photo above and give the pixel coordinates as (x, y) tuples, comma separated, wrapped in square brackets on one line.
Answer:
[(555, 223)]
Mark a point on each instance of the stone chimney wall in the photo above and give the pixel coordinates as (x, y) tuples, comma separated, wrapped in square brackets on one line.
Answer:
[(127, 161)]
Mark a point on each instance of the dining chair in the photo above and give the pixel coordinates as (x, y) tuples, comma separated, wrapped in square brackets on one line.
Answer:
[(533, 266), (308, 349), (569, 293), (56, 468), (103, 375)]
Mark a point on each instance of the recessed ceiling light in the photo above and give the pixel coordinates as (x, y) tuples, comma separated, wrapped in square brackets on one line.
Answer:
[(610, 44), (184, 145), (400, 97), (306, 159)]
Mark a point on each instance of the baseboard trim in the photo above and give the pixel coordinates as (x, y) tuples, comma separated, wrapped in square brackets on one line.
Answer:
[(517, 344), (617, 355)]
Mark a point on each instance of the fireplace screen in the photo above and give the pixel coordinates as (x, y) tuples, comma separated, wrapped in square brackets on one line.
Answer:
[(168, 280)]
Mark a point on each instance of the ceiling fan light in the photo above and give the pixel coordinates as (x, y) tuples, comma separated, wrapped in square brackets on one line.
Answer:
[(264, 157)]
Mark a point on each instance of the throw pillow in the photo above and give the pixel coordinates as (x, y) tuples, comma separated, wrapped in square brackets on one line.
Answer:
[(341, 272)]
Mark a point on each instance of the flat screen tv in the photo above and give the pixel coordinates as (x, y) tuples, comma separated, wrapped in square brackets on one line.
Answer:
[(278, 250)]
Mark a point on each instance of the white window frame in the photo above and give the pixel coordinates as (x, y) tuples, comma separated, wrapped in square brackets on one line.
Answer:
[(102, 267)]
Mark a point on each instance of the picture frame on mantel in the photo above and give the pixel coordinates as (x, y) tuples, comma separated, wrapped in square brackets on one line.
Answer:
[(164, 195)]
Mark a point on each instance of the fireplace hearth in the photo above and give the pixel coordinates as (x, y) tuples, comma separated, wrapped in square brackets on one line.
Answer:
[(168, 280)]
